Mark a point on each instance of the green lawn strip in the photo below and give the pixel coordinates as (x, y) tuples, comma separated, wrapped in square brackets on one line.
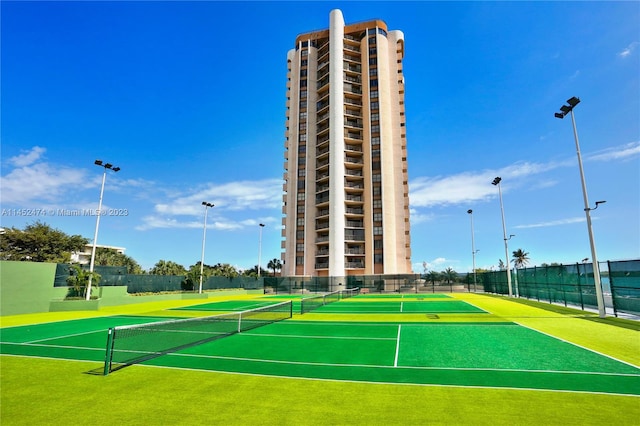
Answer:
[(499, 347), (130, 309), (426, 306), (143, 396), (387, 374), (618, 342), (229, 305), (418, 296)]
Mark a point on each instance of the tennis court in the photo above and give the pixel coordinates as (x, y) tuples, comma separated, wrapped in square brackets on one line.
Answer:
[(405, 339)]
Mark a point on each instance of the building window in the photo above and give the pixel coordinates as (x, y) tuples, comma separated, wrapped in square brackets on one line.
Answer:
[(373, 71), (377, 258), (375, 116), (301, 209), (299, 260), (301, 196), (303, 73), (375, 153), (303, 116), (377, 230), (303, 104), (377, 217), (300, 235), (302, 149), (375, 140), (375, 129), (377, 190), (377, 204), (303, 93), (375, 105), (302, 172), (304, 62), (376, 177), (374, 94), (302, 137), (304, 52), (300, 247), (302, 127), (300, 221), (373, 61), (377, 244)]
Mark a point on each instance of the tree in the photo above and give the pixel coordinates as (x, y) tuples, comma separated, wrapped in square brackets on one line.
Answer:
[(520, 258), (110, 257), (38, 242), (433, 276), (79, 279), (501, 265), (167, 267), (449, 274), (274, 264)]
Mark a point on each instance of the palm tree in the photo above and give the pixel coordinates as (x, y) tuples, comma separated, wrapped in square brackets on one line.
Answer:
[(449, 274), (501, 265), (520, 258), (274, 264)]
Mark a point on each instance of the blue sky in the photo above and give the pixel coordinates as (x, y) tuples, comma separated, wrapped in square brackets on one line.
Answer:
[(189, 100)]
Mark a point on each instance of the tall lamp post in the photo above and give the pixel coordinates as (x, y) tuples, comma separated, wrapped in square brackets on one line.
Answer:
[(564, 110), (260, 249), (106, 166), (496, 182), (204, 237), (473, 250)]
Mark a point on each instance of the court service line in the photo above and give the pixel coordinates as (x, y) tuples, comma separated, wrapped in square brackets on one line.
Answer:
[(395, 361)]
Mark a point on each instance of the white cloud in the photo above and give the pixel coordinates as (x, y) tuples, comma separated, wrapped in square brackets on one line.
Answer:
[(467, 188), (553, 223), (28, 158), (37, 182), (629, 49), (241, 195), (623, 152)]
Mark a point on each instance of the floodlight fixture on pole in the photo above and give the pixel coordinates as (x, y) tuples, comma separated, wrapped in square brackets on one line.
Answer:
[(260, 248), (496, 182), (204, 237), (98, 214), (564, 110), (473, 250)]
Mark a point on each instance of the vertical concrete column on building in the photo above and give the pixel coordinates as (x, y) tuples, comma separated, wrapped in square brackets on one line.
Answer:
[(399, 176), (337, 146), (387, 155), (289, 208), (311, 154)]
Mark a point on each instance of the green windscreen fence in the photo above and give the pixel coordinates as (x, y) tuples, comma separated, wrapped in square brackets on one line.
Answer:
[(572, 284)]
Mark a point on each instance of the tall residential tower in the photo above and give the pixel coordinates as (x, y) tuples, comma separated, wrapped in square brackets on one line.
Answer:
[(346, 201)]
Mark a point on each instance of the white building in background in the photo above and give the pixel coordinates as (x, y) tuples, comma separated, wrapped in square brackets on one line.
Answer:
[(84, 257)]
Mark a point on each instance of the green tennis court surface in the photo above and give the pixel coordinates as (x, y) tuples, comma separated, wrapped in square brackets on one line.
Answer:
[(499, 354)]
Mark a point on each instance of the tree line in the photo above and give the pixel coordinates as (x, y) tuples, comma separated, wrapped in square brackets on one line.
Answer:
[(39, 242)]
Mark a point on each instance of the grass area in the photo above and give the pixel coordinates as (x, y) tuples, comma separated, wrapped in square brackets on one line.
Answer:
[(35, 391), (39, 391)]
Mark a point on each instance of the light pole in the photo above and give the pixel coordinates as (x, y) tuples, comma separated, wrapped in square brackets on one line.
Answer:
[(473, 249), (204, 237), (564, 110), (496, 182), (98, 214), (260, 249)]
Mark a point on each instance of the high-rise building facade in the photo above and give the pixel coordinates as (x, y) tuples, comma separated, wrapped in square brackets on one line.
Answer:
[(346, 201)]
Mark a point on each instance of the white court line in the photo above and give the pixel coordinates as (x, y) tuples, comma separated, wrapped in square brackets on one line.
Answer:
[(395, 361)]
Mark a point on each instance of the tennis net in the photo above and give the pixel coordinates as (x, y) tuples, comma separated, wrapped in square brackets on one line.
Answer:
[(132, 344), (350, 292), (309, 304)]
